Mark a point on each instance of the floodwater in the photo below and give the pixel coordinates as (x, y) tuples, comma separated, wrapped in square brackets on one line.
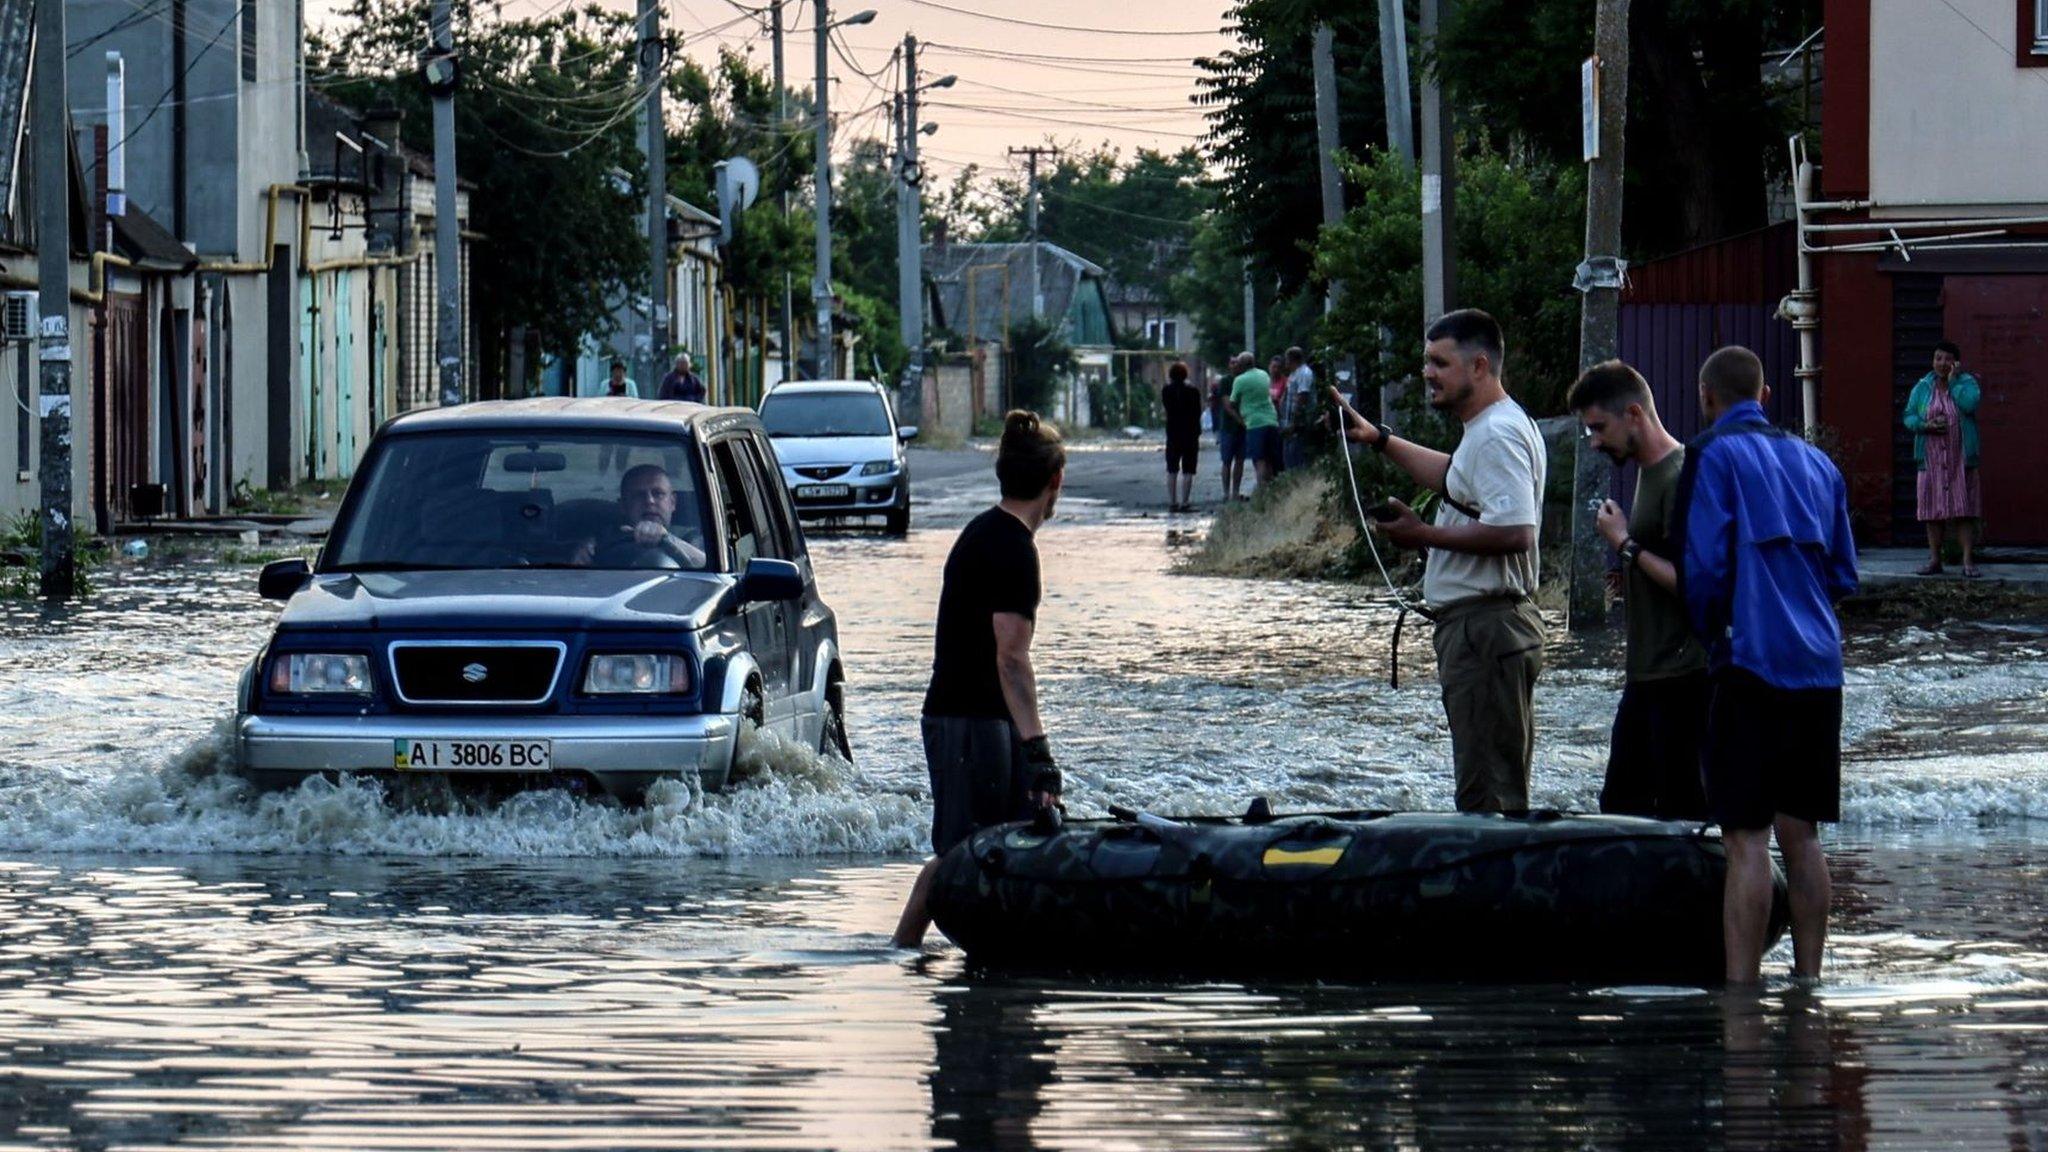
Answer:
[(185, 964)]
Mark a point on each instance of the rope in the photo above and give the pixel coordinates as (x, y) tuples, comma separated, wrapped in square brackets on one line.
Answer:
[(1401, 601)]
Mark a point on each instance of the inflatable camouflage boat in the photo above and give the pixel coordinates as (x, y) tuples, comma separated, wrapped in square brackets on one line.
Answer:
[(1346, 895)]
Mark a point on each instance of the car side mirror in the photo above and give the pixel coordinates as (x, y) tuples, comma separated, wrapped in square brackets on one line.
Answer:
[(768, 580), (907, 432), (282, 578)]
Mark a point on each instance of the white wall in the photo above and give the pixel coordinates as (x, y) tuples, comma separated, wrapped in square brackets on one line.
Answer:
[(1954, 121)]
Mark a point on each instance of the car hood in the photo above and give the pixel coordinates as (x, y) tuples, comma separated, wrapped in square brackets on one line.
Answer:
[(795, 451), (551, 600)]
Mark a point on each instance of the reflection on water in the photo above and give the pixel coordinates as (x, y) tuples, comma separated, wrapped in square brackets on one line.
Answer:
[(412, 1003), (184, 962)]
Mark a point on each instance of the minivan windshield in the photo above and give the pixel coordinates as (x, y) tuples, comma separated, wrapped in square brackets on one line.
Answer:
[(825, 414), (517, 499)]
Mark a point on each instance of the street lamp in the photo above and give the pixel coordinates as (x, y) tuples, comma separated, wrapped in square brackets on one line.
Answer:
[(821, 285)]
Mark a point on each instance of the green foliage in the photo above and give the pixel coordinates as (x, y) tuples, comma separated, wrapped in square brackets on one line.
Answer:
[(545, 118), (1518, 237), (728, 110), (1210, 289), (1262, 130), (1039, 363), (1134, 218), (1705, 130), (22, 537)]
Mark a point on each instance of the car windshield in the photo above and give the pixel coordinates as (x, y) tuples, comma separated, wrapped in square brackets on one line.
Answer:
[(825, 414), (588, 499)]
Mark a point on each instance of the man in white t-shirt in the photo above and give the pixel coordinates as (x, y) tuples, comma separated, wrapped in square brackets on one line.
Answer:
[(1482, 566)]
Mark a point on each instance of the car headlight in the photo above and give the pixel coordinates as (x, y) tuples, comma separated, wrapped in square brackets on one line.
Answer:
[(878, 467), (636, 674), (320, 674)]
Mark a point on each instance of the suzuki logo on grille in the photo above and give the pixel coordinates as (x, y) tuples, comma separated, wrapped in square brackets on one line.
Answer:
[(475, 673)]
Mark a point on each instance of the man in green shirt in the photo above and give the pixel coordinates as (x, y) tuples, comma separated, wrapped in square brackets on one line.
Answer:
[(1251, 401), (1653, 760)]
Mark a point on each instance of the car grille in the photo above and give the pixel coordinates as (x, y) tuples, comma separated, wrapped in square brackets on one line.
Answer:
[(824, 472), (486, 673)]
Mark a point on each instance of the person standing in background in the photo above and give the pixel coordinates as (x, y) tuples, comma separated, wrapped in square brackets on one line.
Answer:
[(1251, 402), (1182, 404), (1942, 416)]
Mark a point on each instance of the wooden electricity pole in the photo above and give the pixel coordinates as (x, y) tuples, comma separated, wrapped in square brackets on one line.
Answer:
[(53, 266), (1599, 280)]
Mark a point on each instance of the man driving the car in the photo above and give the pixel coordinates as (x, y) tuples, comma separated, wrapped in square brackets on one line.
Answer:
[(648, 538)]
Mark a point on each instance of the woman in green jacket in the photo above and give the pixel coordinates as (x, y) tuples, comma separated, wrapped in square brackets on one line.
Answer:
[(1942, 416)]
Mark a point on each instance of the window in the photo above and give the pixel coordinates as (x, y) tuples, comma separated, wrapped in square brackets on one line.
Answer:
[(2033, 37), (249, 40), (745, 521), (1163, 333), (488, 500)]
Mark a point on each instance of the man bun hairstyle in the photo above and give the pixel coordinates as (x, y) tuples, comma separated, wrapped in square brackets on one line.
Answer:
[(1177, 372), (1030, 455), (1610, 386), (1733, 374), (1948, 346), (1473, 332)]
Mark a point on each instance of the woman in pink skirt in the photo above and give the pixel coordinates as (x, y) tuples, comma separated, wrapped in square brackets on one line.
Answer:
[(1942, 416)]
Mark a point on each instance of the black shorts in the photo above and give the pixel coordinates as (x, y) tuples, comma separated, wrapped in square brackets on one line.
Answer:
[(1772, 751), (1182, 454), (1653, 761), (978, 776)]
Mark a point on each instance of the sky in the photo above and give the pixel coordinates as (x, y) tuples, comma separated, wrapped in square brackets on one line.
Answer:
[(1118, 73)]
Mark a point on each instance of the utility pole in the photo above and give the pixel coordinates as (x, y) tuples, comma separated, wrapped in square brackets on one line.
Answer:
[(1325, 60), (1401, 140), (910, 239), (655, 144), (447, 231), (1251, 327), (821, 282), (1599, 280), (788, 317), (1439, 180), (58, 576), (1031, 156), (1394, 79)]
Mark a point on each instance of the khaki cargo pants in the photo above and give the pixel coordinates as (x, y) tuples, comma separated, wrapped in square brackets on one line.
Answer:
[(1488, 654)]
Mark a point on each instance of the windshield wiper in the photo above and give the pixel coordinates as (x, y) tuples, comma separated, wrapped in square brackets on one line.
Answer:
[(397, 566)]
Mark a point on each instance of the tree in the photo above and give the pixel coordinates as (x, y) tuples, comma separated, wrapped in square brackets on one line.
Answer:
[(1696, 89), (1519, 226), (544, 123), (1262, 127)]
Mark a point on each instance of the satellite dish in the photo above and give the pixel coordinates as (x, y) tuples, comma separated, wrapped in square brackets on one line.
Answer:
[(738, 182)]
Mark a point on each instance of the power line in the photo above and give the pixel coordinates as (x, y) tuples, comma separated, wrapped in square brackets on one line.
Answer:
[(1138, 128), (1012, 54), (1061, 99), (1065, 27)]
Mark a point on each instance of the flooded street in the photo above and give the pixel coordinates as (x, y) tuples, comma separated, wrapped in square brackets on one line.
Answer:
[(184, 963)]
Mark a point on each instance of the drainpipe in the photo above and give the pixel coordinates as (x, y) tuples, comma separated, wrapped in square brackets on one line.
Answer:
[(1802, 307)]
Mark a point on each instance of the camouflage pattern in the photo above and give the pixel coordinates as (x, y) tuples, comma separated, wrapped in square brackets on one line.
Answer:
[(1353, 895)]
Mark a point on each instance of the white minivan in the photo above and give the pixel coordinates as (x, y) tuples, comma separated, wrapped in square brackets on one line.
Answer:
[(841, 450)]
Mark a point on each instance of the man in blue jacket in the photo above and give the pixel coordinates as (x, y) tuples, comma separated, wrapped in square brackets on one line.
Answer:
[(1765, 520)]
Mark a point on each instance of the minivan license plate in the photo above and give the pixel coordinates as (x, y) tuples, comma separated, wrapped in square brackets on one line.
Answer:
[(471, 755), (822, 491)]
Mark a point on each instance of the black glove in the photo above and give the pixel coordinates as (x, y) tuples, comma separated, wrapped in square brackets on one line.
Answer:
[(1045, 775)]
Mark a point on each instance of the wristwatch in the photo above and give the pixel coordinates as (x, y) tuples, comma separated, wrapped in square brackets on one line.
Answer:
[(1380, 445), (1628, 552)]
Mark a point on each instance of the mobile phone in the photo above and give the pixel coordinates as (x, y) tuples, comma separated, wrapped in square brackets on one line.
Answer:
[(1384, 512)]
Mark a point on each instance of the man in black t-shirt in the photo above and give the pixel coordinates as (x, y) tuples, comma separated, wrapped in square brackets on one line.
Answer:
[(1182, 404), (984, 743)]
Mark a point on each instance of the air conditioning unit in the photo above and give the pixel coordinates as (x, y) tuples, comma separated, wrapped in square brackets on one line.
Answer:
[(18, 317)]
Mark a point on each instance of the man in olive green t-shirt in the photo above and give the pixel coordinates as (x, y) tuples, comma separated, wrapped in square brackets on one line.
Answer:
[(1251, 401), (1653, 761)]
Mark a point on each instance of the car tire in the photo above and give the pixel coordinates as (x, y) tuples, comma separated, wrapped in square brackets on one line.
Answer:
[(898, 523), (832, 734), (753, 714)]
